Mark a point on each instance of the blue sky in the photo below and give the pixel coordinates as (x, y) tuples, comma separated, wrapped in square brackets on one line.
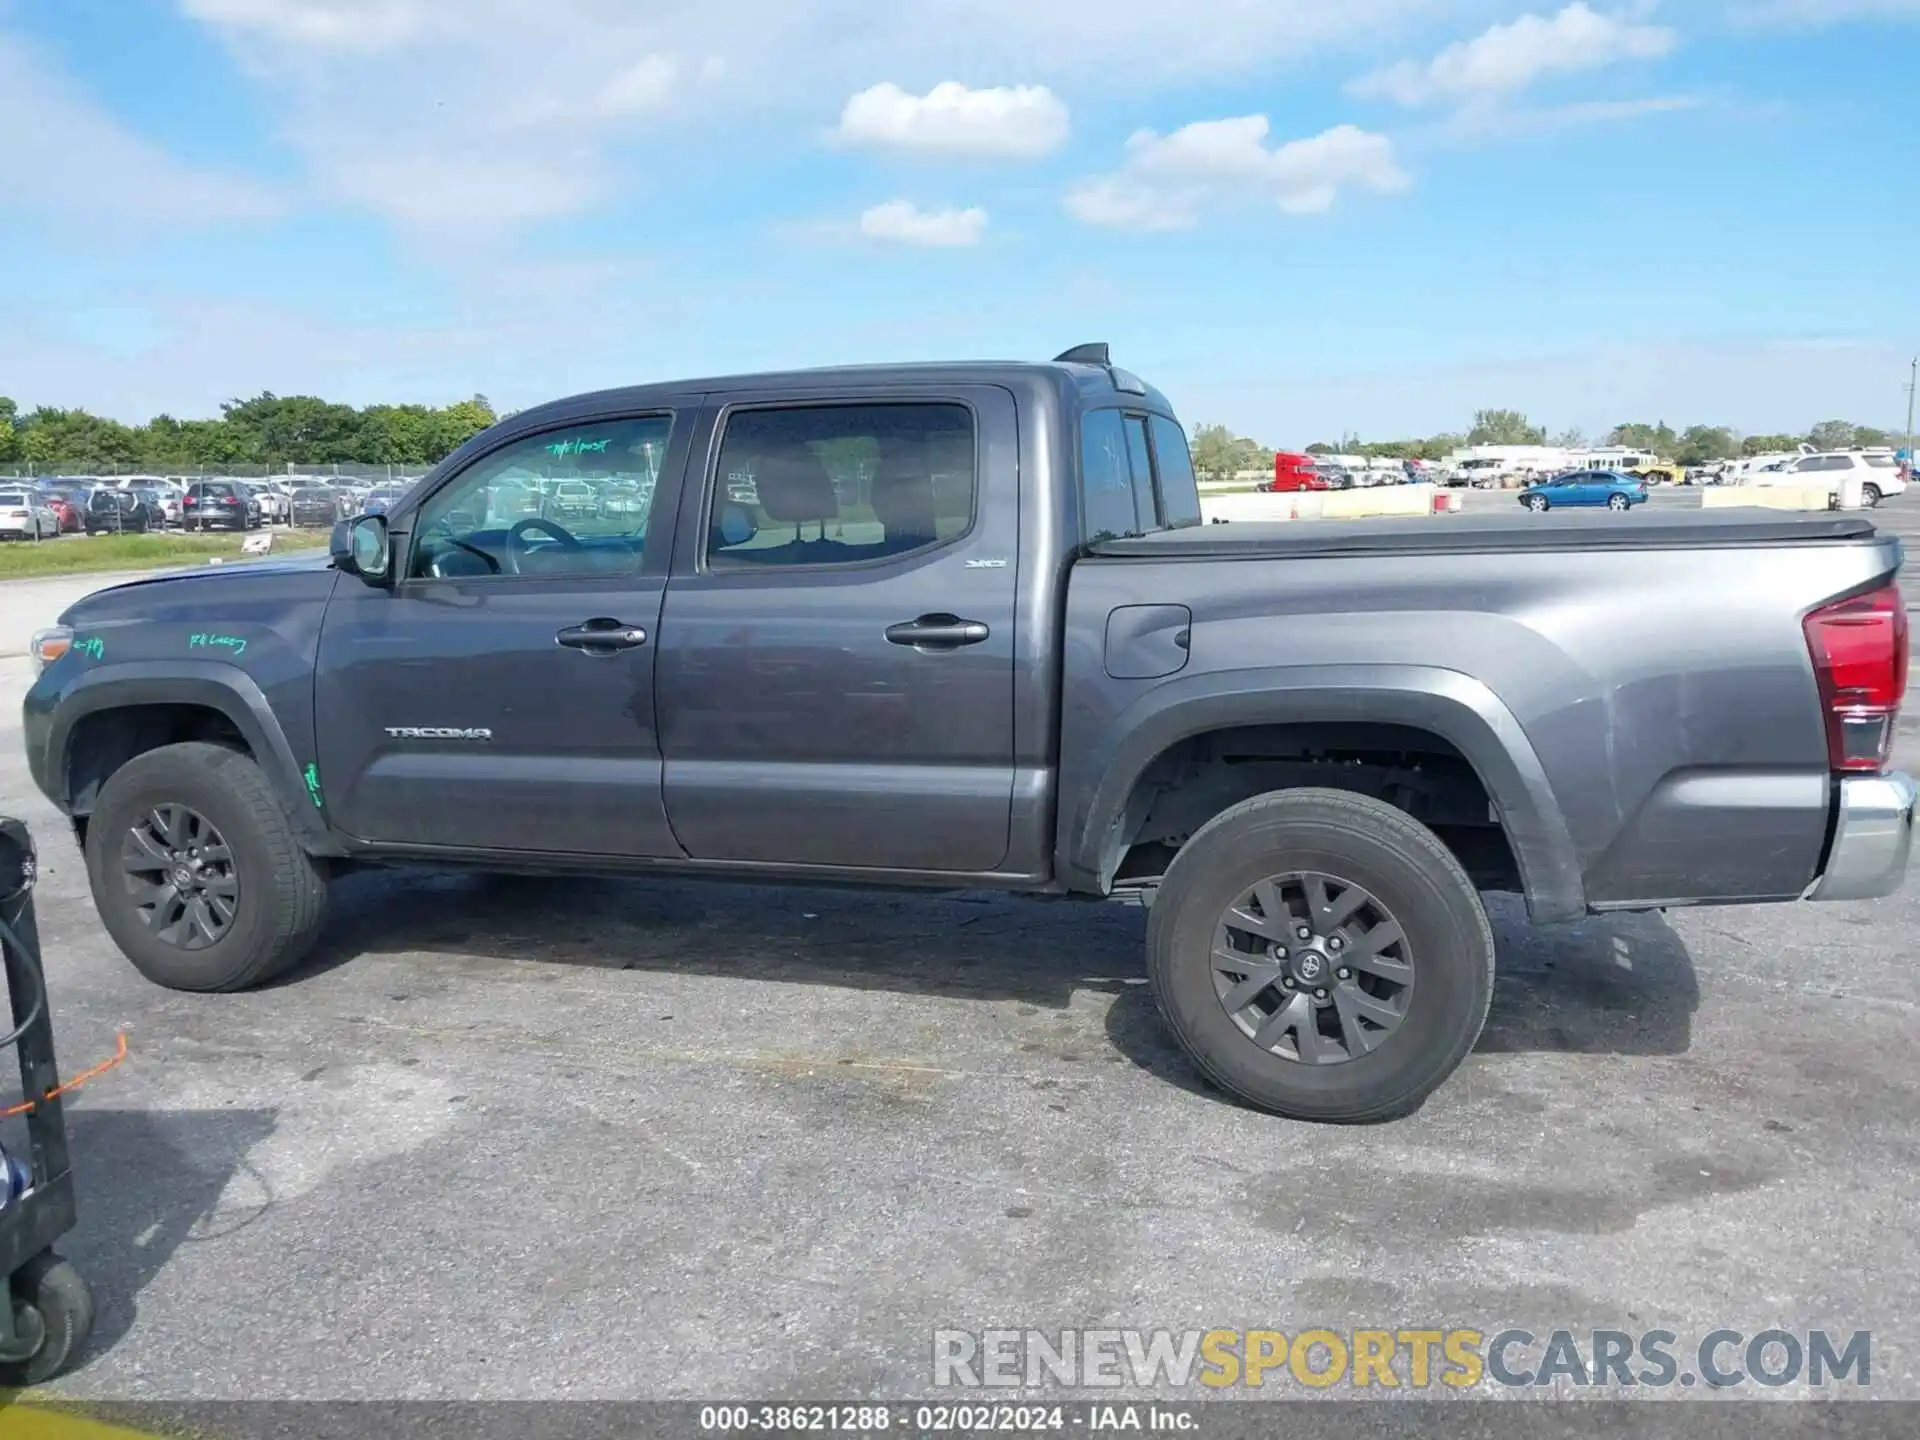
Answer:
[(1298, 217)]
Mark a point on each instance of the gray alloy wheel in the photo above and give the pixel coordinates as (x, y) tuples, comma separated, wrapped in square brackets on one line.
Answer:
[(1311, 968), (1618, 502), (1536, 503), (180, 876)]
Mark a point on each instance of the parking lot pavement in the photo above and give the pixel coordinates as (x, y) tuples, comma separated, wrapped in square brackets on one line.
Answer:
[(30, 605), (520, 1138)]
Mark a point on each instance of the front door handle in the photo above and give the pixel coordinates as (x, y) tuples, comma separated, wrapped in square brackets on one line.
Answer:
[(938, 632), (602, 636)]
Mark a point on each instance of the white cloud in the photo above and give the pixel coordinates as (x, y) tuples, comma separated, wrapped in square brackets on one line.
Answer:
[(1508, 58), (577, 89), (1019, 122), (1168, 181), (641, 87), (1501, 122), (905, 223), (1117, 203), (354, 26), (65, 155), (1811, 14)]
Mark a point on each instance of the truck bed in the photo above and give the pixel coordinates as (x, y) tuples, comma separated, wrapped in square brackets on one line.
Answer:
[(1483, 532)]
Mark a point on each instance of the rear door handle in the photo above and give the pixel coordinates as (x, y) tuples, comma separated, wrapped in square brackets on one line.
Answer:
[(602, 636), (938, 632)]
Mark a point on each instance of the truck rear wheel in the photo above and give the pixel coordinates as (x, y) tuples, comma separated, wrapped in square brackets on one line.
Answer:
[(196, 871), (1321, 955)]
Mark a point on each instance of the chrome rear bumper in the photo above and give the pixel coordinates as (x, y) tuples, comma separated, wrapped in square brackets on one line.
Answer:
[(1871, 838)]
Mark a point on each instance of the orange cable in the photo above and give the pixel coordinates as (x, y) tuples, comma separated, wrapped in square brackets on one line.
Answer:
[(75, 1083)]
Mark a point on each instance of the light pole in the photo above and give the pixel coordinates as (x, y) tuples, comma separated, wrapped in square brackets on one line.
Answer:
[(1913, 382)]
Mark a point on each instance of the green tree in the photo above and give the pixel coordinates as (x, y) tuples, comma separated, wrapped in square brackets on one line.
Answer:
[(1438, 447), (77, 437), (1504, 427), (1219, 454), (1703, 443), (267, 430), (1571, 438), (395, 435), (1659, 439), (293, 429), (459, 423), (1768, 444), (1831, 435)]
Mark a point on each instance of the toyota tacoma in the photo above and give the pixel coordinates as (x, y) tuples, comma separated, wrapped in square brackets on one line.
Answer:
[(961, 626)]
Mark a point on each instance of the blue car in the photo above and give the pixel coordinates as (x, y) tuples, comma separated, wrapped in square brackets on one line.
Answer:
[(1607, 488)]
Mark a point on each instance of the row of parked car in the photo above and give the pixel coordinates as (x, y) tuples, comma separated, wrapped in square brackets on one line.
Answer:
[(49, 506)]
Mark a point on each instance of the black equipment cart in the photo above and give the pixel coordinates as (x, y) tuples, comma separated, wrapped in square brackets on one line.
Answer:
[(46, 1325)]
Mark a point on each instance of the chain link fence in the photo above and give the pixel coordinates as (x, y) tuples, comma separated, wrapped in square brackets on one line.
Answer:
[(346, 470)]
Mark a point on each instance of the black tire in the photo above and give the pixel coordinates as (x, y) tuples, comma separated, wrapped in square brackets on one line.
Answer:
[(282, 891), (1538, 504), (1619, 502), (1358, 840), (1871, 495), (62, 1309)]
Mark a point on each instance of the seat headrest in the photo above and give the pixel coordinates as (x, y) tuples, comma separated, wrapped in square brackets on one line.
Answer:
[(903, 501), (794, 487)]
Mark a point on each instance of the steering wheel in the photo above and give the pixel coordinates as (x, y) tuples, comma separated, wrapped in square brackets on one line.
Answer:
[(516, 543)]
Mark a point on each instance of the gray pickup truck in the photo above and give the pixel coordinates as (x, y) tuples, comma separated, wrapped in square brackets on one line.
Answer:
[(961, 625)]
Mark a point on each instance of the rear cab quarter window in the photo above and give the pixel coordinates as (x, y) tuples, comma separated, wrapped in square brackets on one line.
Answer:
[(1136, 474)]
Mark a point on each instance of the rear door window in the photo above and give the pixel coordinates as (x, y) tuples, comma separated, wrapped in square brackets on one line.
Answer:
[(840, 484)]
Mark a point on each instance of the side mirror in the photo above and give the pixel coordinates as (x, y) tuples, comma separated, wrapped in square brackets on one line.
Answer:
[(360, 546)]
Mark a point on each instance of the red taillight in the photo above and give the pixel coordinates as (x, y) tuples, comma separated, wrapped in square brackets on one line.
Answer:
[(1859, 649)]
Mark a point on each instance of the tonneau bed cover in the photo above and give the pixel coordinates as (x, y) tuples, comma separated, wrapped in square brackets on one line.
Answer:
[(1488, 531)]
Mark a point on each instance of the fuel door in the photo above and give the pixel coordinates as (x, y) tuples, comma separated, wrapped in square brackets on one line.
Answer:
[(1145, 642)]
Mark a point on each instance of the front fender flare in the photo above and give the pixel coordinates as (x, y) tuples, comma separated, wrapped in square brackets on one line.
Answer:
[(1448, 703), (225, 688)]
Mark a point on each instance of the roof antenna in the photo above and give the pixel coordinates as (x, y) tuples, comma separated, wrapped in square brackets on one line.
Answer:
[(1095, 354)]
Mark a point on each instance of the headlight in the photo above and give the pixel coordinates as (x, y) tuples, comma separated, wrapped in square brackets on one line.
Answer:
[(48, 646)]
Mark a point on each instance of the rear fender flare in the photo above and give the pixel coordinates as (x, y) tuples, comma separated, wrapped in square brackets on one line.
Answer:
[(1448, 703)]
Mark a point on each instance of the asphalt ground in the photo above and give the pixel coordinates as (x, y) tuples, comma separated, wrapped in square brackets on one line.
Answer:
[(544, 1139)]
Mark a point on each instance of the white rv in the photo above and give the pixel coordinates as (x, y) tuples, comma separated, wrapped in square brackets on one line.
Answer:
[(1490, 464), (1768, 469)]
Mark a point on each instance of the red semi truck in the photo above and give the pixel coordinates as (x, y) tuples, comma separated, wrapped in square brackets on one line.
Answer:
[(1294, 471)]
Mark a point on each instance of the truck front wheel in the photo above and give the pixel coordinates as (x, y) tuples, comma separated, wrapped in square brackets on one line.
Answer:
[(197, 873), (1321, 955)]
